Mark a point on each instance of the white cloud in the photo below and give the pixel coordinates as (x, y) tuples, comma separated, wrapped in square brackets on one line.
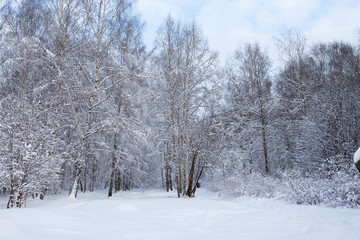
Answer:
[(153, 13), (341, 23), (228, 23)]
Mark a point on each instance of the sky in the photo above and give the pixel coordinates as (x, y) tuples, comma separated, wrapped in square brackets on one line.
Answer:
[(228, 24)]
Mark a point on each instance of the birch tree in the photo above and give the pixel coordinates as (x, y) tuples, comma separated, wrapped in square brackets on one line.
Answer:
[(128, 97), (27, 123), (186, 74)]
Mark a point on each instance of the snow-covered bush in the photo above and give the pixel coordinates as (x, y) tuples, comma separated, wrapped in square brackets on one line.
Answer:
[(254, 185), (342, 189), (299, 189), (335, 184), (30, 165)]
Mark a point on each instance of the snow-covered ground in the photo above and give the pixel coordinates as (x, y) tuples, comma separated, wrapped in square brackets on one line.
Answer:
[(158, 215)]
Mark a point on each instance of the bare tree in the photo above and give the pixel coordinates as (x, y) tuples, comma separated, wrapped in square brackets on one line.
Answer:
[(186, 69), (292, 46), (249, 77), (26, 119)]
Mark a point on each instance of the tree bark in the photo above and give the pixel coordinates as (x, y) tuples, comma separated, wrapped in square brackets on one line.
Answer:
[(357, 164), (113, 165), (191, 175), (267, 170)]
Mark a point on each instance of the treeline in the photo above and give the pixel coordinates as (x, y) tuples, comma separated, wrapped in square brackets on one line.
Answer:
[(85, 106)]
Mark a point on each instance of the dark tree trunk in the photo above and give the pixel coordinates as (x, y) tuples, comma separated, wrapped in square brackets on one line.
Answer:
[(117, 181), (167, 184), (170, 179), (77, 179), (265, 148), (42, 194), (84, 179), (19, 200), (92, 174), (197, 179), (113, 165), (191, 178), (357, 164), (189, 192), (11, 199)]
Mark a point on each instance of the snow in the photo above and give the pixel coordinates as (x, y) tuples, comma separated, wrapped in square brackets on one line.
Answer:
[(160, 215), (357, 156)]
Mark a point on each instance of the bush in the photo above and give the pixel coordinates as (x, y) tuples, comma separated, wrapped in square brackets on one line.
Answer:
[(254, 185), (341, 188)]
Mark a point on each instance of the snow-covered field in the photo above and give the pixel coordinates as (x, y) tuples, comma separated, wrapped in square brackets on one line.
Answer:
[(159, 215)]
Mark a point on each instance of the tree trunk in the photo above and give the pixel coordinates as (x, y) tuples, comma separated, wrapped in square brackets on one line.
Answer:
[(117, 181), (167, 158), (178, 168), (263, 129), (113, 165), (42, 194), (170, 179), (265, 147), (92, 175), (71, 178), (357, 164), (84, 179), (77, 181), (167, 183), (250, 161), (197, 179), (10, 203), (111, 183), (191, 175), (19, 199)]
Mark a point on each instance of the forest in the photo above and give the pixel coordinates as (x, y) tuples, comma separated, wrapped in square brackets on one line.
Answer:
[(85, 105)]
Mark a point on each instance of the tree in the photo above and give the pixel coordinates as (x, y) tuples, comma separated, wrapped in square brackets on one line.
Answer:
[(292, 46), (337, 68), (89, 85), (250, 84), (294, 87), (27, 123), (127, 96), (30, 166), (186, 71)]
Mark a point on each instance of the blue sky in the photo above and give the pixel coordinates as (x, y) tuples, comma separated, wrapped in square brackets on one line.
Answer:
[(229, 23)]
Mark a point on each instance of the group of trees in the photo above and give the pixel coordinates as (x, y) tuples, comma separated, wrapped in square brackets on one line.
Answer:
[(185, 78), (70, 107), (301, 122), (84, 105), (303, 116)]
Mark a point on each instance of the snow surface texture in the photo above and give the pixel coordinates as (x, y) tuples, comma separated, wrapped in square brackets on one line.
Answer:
[(158, 215), (357, 156)]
